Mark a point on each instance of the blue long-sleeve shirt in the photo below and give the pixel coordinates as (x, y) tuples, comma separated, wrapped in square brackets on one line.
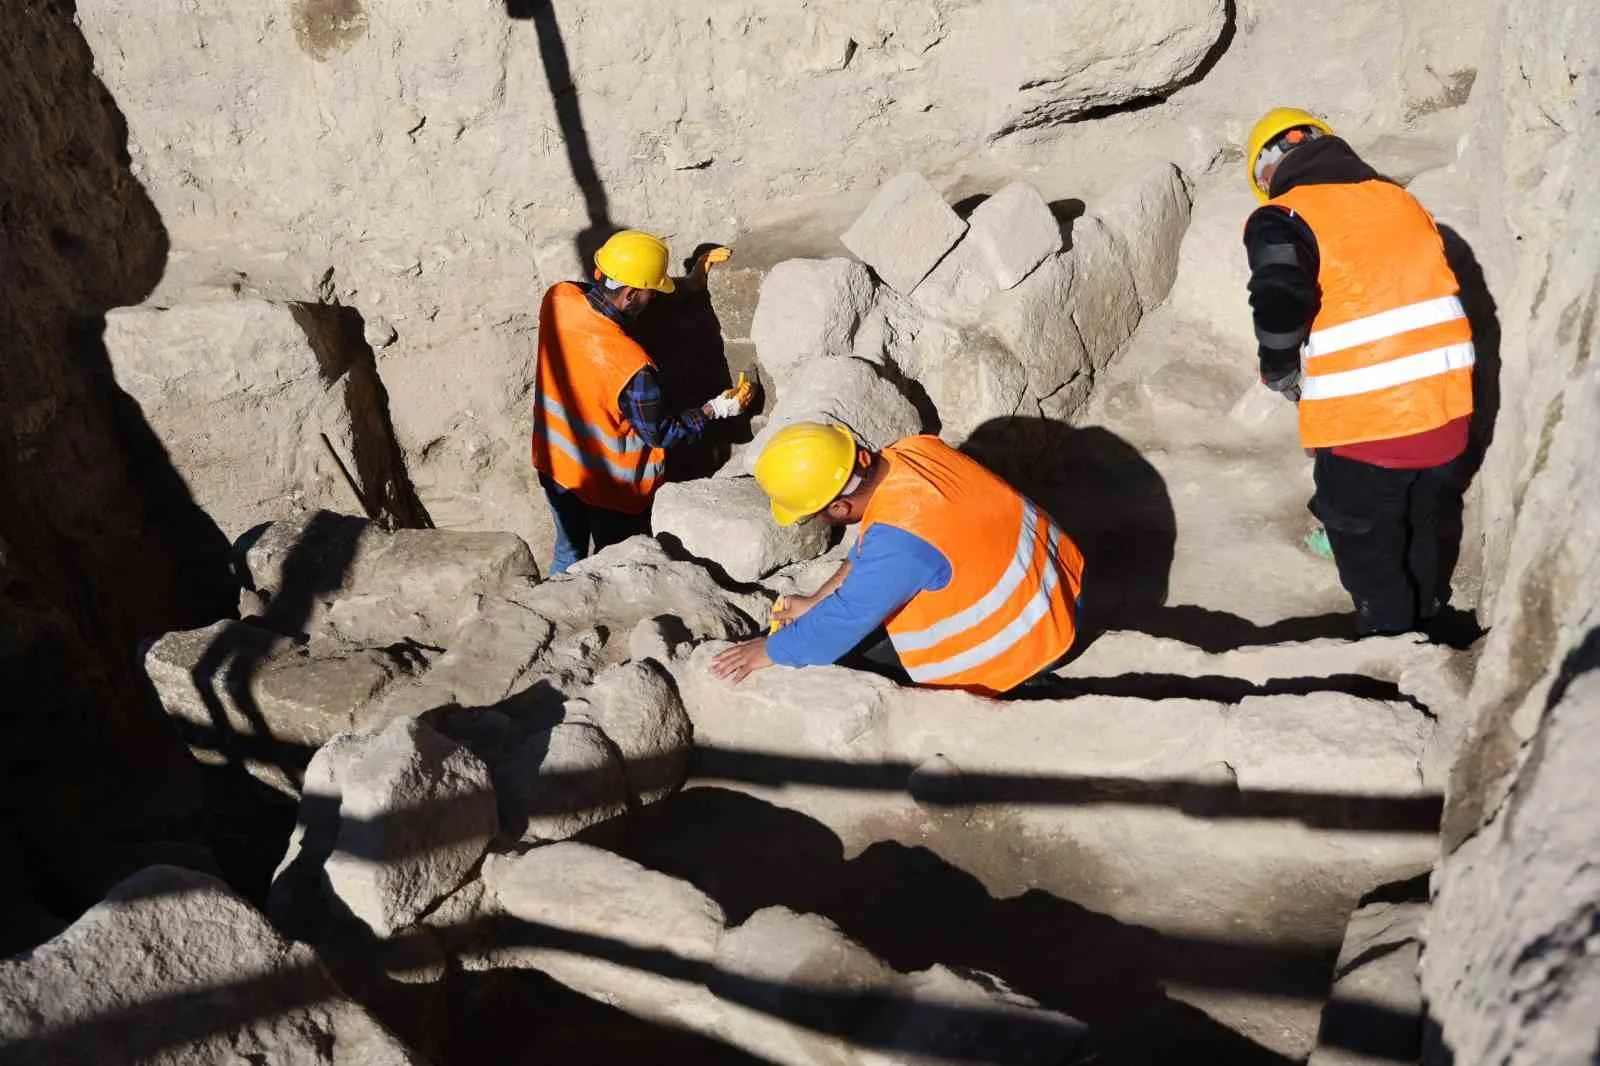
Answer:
[(887, 568)]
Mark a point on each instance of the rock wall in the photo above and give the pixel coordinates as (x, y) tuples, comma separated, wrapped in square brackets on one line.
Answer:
[(1509, 968), (100, 545)]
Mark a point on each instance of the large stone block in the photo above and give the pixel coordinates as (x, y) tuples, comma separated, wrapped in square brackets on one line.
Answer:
[(590, 915), (173, 969), (416, 812), (904, 231), (1374, 1011), (809, 309), (1034, 321), (1328, 742), (348, 580), (1015, 231), (558, 782), (729, 522), (1149, 212), (850, 392), (637, 706), (1105, 299)]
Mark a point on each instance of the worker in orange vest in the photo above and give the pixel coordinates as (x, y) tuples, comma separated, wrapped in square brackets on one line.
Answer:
[(1358, 319), (599, 434), (976, 585)]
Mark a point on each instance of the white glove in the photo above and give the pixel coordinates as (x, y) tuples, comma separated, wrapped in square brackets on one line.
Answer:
[(724, 406)]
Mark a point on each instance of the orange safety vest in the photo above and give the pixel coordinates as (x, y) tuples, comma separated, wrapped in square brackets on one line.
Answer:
[(1390, 352), (1007, 611), (581, 438)]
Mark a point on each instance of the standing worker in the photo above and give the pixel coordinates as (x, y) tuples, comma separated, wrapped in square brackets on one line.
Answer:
[(1359, 320), (976, 586), (599, 436)]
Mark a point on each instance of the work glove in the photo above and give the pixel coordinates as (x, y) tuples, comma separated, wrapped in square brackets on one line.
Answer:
[(731, 403), (714, 256), (1285, 385)]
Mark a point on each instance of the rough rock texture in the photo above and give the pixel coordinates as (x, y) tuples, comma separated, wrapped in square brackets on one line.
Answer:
[(349, 581), (559, 782), (905, 231), (266, 409), (1374, 1013), (1105, 298), (173, 969), (416, 812), (637, 706), (1149, 212), (809, 309), (1014, 230), (728, 521), (1034, 321), (851, 392)]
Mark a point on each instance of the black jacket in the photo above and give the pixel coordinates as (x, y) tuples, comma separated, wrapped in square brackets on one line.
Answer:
[(1284, 295)]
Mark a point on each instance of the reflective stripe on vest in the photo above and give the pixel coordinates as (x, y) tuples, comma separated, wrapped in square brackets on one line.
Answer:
[(1390, 352), (1018, 629), (630, 444), (991, 601)]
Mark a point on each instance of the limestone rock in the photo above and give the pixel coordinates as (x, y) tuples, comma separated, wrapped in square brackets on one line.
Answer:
[(904, 231), (794, 989), (960, 284), (1034, 320), (1105, 301), (1328, 742), (1149, 213), (1374, 1012), (809, 309), (637, 706), (850, 392), (241, 398), (558, 782), (416, 812), (298, 899), (941, 1016), (1015, 231), (971, 381), (589, 914), (1066, 60), (657, 638), (735, 289), (729, 522), (173, 969), (238, 691), (347, 580)]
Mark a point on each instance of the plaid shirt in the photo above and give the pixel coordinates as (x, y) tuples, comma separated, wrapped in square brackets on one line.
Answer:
[(641, 397)]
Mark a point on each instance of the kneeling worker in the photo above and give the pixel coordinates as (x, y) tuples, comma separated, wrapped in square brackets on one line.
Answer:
[(976, 586), (599, 434)]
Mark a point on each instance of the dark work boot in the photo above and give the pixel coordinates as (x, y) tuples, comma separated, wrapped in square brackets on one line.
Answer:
[(1375, 620)]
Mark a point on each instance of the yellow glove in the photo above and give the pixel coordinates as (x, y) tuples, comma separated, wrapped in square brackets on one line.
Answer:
[(743, 391), (776, 624), (715, 256)]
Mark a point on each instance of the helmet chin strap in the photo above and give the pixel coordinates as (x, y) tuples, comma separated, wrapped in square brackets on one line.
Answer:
[(850, 486)]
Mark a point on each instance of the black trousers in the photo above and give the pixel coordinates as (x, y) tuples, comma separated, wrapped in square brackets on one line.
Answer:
[(1390, 531)]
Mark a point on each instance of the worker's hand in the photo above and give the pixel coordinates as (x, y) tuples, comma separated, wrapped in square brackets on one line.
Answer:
[(714, 256), (741, 660), (731, 402), (789, 609), (1285, 385)]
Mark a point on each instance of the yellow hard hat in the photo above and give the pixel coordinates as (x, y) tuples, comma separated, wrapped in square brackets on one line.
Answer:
[(803, 467), (636, 259), (1275, 124)]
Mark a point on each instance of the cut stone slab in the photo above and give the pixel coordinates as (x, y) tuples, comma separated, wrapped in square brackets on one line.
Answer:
[(1034, 322), (637, 706), (347, 580), (1376, 987), (1328, 742), (735, 291), (960, 284), (793, 989), (1149, 213), (729, 522), (589, 914), (1105, 298), (240, 692), (240, 397), (809, 310), (849, 392), (904, 231), (972, 381), (1015, 231), (416, 812), (173, 969)]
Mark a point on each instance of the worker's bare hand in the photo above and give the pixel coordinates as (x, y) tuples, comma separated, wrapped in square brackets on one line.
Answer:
[(741, 660), (789, 609)]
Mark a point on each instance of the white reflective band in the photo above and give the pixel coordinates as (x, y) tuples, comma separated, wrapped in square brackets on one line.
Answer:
[(991, 601), (628, 445), (1385, 324), (1007, 638), (1386, 375)]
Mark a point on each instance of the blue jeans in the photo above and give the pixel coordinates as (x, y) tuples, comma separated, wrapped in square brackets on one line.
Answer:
[(582, 529)]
